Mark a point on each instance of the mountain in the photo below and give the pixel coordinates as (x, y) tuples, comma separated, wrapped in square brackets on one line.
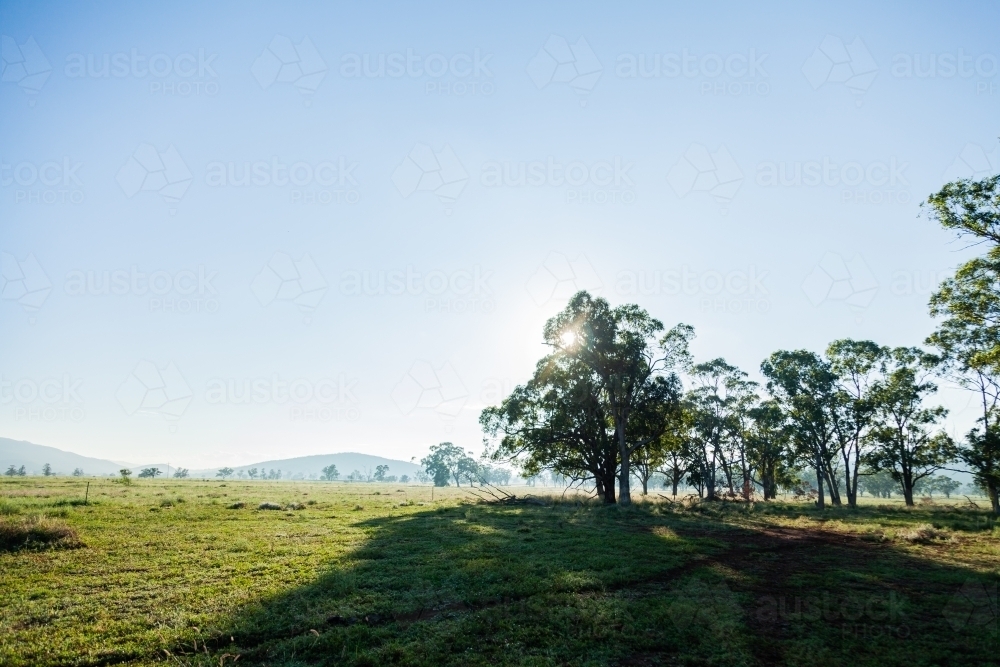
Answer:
[(33, 457), (21, 453), (346, 463)]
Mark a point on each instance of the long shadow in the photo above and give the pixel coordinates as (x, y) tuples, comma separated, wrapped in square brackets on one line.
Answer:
[(589, 585)]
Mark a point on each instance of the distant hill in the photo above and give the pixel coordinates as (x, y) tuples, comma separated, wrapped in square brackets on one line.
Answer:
[(346, 463), (22, 453), (33, 457)]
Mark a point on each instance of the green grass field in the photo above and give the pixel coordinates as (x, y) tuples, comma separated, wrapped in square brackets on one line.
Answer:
[(192, 573)]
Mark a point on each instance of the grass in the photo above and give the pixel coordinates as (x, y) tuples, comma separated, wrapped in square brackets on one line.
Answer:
[(193, 573)]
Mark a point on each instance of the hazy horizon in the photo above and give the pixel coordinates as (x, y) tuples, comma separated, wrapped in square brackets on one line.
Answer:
[(251, 231)]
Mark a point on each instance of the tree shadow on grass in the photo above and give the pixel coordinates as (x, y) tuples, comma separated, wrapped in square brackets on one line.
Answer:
[(588, 585)]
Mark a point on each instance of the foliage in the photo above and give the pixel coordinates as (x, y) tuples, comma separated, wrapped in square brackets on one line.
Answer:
[(447, 461), (905, 443), (330, 473), (149, 473)]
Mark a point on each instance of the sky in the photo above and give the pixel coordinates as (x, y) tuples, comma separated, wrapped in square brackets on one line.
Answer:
[(261, 230)]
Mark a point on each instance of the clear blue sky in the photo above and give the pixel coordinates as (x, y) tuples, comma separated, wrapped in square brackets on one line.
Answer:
[(244, 230)]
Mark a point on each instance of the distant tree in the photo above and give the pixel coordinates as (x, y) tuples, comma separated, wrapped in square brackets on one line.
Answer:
[(355, 476), (947, 485), (905, 445), (11, 471), (181, 473), (380, 472), (78, 472), (404, 479), (422, 477), (974, 489), (878, 484), (940, 484), (252, 472), (225, 473), (125, 477), (330, 473), (149, 473), (21, 472), (448, 461), (241, 473), (47, 470)]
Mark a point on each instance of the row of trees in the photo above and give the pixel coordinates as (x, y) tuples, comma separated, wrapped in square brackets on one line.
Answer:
[(619, 396), (47, 471), (448, 462)]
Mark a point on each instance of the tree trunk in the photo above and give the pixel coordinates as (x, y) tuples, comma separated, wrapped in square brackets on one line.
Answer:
[(675, 481), (994, 494), (624, 497), (820, 501)]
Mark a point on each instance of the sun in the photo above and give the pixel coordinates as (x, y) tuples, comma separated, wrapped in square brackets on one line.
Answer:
[(568, 338)]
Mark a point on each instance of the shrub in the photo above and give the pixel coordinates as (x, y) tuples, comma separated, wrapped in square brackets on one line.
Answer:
[(8, 509), (240, 505), (36, 531), (295, 506), (925, 532), (269, 506)]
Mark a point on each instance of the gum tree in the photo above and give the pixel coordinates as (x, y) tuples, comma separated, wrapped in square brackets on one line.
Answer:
[(805, 386), (906, 444), (625, 349), (857, 366), (768, 445), (556, 421), (968, 335)]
